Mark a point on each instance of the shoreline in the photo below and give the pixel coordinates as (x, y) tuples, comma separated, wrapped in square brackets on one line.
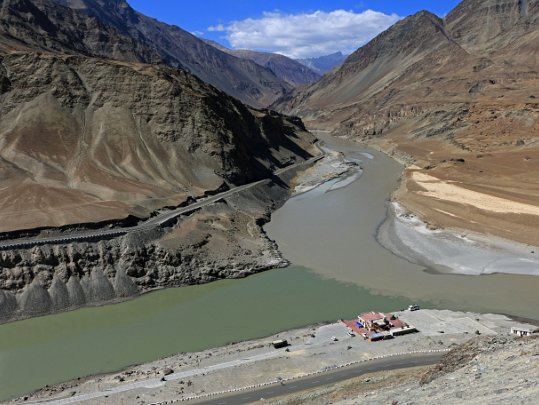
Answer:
[(231, 346), (254, 362), (451, 250), (471, 248)]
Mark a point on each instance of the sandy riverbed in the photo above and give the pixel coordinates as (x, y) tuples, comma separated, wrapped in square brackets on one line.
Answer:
[(456, 251)]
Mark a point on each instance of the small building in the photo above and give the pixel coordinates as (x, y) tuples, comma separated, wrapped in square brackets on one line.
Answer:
[(404, 330), (377, 320), (524, 330), (376, 326)]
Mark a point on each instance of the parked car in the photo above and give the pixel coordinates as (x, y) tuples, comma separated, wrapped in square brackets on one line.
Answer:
[(413, 308)]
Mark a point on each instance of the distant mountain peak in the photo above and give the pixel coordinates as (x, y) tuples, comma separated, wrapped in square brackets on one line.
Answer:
[(289, 70), (324, 64)]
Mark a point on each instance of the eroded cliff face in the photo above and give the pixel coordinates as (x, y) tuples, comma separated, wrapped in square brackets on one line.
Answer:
[(223, 240)]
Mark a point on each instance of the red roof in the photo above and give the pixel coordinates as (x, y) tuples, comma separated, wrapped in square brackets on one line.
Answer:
[(372, 316), (356, 329), (372, 329)]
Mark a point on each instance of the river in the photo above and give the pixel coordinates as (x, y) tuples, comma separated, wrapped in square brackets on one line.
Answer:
[(341, 227), (340, 270)]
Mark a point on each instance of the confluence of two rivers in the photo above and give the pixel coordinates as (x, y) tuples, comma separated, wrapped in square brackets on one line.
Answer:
[(340, 270)]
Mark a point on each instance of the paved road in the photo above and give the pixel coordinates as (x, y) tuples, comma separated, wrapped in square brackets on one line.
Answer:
[(151, 223), (331, 377), (290, 387), (153, 383)]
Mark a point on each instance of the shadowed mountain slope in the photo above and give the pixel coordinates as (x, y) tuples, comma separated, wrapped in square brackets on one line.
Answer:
[(286, 69), (90, 133)]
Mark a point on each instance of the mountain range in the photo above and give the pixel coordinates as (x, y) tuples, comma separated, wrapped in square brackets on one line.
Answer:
[(454, 97), (324, 64), (112, 29), (286, 69)]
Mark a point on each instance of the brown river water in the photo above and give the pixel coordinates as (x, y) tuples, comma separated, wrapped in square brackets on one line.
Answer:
[(334, 234)]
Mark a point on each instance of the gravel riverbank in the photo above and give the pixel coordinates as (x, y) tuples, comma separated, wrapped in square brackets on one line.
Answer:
[(312, 349), (454, 251)]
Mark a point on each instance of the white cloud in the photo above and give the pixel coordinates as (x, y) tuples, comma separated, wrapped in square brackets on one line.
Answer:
[(217, 28), (307, 35), (198, 33)]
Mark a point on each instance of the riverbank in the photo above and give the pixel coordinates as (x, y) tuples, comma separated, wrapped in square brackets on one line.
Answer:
[(219, 236), (462, 244), (452, 250), (312, 349), (333, 166), (481, 188)]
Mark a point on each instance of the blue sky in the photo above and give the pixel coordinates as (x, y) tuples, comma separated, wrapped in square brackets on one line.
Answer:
[(296, 28)]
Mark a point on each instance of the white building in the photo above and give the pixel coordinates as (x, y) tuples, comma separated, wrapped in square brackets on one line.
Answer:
[(524, 330)]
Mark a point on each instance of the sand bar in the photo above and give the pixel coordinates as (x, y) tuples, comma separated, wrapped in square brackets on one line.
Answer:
[(455, 251)]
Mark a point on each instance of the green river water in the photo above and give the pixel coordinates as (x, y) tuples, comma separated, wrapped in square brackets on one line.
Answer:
[(55, 348)]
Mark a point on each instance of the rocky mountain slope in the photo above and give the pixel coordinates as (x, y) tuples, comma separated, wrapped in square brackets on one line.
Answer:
[(286, 69), (90, 136), (324, 64), (112, 29), (85, 140), (485, 370), (456, 98)]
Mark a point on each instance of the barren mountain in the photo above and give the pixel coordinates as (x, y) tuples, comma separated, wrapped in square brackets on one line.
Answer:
[(87, 138), (286, 69), (456, 99), (112, 29), (324, 64), (92, 138)]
